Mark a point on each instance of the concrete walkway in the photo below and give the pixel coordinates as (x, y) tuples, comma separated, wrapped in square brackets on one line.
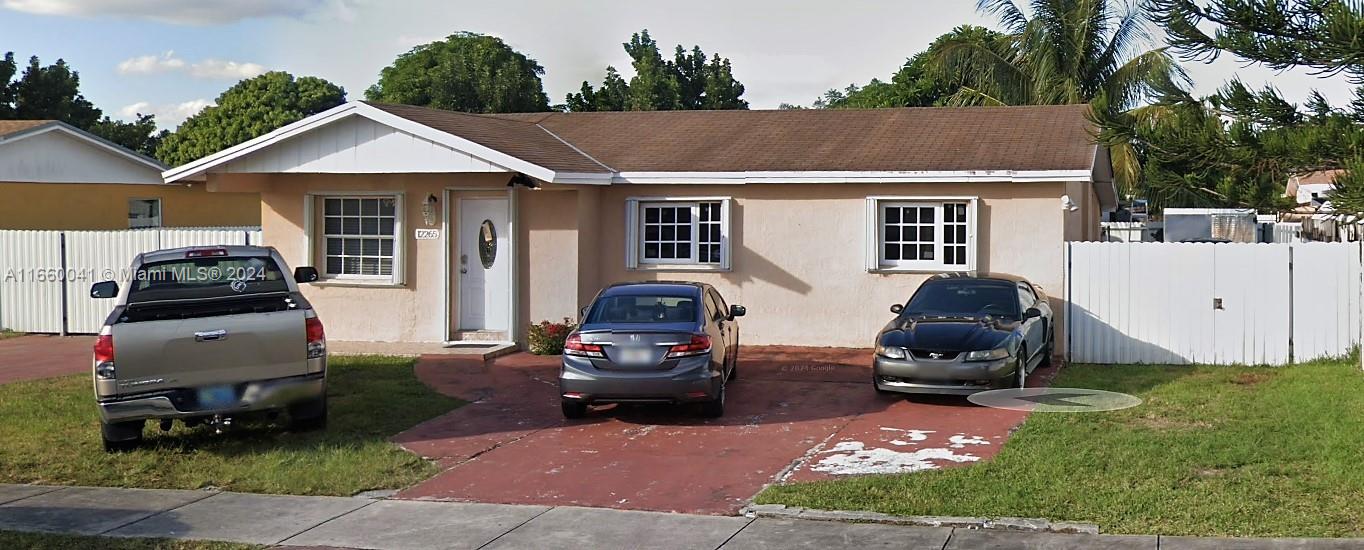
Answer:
[(367, 523)]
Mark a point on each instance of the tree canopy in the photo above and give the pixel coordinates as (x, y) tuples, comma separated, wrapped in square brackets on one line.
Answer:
[(916, 84), (467, 72), (52, 92), (1274, 137), (687, 81), (247, 110)]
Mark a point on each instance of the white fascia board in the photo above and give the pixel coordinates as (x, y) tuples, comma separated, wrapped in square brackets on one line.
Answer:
[(58, 126), (583, 178), (965, 176), (197, 169)]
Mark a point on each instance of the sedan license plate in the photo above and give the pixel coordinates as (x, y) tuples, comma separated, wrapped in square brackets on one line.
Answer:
[(636, 356), (215, 397)]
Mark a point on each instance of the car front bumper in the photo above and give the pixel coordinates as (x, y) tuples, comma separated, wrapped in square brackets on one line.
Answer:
[(253, 396), (692, 379), (952, 377)]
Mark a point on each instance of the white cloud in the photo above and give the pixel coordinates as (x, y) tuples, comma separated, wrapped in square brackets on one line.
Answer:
[(195, 12), (168, 115), (217, 68), (151, 64), (208, 68)]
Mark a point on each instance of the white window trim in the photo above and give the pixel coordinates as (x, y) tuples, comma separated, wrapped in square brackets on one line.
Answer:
[(634, 238), (313, 231), (159, 218), (874, 236)]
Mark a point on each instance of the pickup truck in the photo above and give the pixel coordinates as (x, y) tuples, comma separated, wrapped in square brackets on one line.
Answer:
[(205, 334)]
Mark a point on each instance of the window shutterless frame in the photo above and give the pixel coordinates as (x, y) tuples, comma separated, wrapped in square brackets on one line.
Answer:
[(316, 237), (921, 234), (677, 233)]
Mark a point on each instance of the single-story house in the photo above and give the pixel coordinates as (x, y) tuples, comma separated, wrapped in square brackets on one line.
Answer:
[(56, 176), (438, 226)]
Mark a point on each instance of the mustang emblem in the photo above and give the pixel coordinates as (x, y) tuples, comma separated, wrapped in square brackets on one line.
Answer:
[(935, 355)]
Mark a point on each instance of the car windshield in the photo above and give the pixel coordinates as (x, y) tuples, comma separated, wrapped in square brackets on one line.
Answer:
[(208, 277), (964, 299), (643, 309)]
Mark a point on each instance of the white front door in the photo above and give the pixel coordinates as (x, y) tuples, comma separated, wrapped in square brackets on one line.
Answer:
[(483, 265)]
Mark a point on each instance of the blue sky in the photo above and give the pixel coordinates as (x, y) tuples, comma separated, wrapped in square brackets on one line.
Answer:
[(172, 57)]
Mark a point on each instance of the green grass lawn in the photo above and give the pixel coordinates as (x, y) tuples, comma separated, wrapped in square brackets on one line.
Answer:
[(1235, 451), (50, 434), (14, 540), (10, 334)]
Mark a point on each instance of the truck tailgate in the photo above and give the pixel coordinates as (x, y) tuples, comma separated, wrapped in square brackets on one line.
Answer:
[(203, 351)]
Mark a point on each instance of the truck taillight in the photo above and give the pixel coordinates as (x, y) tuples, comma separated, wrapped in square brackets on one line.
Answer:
[(699, 345), (317, 338), (104, 354), (574, 346)]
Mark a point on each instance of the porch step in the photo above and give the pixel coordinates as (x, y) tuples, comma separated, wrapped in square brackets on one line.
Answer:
[(481, 336)]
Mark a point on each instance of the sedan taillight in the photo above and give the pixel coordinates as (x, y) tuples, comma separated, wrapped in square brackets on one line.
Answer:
[(699, 345), (574, 346)]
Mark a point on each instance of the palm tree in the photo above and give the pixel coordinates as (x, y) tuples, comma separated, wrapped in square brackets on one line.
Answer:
[(1069, 51)]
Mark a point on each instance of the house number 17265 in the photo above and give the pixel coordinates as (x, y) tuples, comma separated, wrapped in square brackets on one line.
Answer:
[(428, 234)]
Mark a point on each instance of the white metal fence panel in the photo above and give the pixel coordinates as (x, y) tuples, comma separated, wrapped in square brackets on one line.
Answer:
[(1326, 313), (1211, 303), (90, 256), (31, 280), (99, 256)]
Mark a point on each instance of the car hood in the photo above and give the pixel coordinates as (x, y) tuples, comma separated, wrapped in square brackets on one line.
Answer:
[(946, 334)]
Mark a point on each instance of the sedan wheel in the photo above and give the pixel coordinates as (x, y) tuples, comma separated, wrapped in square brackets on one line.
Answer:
[(1021, 370), (715, 408)]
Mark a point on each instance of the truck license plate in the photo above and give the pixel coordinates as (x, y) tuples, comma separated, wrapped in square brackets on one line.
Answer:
[(215, 397)]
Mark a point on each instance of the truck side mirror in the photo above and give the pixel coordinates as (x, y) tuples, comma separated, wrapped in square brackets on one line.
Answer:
[(737, 311), (305, 274), (104, 289), (897, 308)]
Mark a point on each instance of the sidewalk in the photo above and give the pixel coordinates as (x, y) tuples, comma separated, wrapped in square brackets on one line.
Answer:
[(368, 523)]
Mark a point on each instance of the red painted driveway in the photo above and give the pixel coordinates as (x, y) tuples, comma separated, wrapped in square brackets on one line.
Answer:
[(794, 414), (41, 356)]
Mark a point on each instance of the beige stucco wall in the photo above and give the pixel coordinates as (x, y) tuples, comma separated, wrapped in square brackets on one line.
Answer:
[(797, 251), (78, 206)]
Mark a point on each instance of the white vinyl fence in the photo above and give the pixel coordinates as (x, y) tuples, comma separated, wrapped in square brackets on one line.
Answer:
[(1223, 303), (45, 276)]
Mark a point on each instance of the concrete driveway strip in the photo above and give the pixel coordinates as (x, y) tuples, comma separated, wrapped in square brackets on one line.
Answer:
[(91, 510), (238, 517), (11, 493), (783, 534), (571, 527), (969, 539), (399, 525), (1207, 543)]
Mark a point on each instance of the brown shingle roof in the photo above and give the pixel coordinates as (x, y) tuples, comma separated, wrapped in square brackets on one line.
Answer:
[(905, 139), (8, 127), (517, 138)]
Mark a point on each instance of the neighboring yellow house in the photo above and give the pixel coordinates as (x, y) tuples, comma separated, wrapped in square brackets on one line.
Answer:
[(55, 176)]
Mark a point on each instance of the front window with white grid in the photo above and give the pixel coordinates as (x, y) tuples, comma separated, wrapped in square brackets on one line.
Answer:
[(681, 232), (359, 234), (923, 235)]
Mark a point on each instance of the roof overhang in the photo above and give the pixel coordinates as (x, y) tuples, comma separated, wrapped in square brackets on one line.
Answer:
[(1101, 173), (86, 137), (199, 169), (948, 176)]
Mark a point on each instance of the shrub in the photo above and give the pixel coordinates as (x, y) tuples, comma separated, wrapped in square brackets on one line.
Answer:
[(547, 338)]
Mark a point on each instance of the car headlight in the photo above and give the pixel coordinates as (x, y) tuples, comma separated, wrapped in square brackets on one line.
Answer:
[(890, 352), (987, 354)]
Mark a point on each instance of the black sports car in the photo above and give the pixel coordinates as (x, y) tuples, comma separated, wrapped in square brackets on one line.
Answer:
[(962, 333)]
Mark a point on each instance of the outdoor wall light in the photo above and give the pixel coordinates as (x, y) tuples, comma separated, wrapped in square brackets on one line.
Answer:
[(429, 210), (1068, 204)]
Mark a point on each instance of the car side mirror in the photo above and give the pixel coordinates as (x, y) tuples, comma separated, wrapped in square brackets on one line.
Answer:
[(104, 289), (737, 311), (897, 309), (305, 274), (1032, 312)]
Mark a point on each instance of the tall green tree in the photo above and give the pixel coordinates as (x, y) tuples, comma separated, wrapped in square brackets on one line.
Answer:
[(466, 72), (1325, 36), (689, 80), (52, 92), (916, 84), (249, 109)]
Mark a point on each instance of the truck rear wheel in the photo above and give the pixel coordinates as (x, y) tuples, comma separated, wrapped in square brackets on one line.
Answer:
[(121, 436), (308, 415)]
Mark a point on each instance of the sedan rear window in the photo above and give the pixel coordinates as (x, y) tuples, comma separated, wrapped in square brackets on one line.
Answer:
[(964, 299), (643, 309), (210, 277)]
